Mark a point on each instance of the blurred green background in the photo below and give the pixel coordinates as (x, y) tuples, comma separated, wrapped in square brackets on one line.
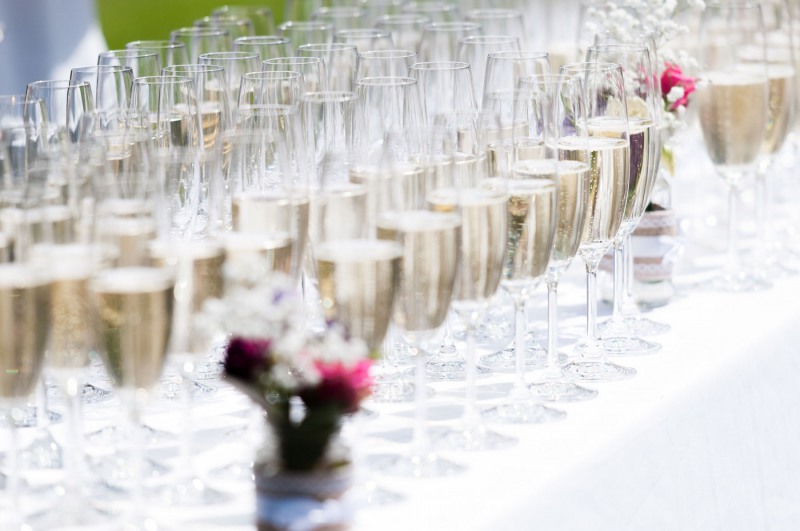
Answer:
[(124, 21)]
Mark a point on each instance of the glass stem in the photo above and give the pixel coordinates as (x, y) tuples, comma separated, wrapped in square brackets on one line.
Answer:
[(627, 253), (42, 413), (471, 375), (619, 283), (187, 393), (519, 391), (419, 442), (553, 371), (591, 312), (136, 456), (733, 240), (13, 478), (761, 219), (74, 463)]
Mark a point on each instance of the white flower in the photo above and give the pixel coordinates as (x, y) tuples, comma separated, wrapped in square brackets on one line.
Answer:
[(675, 93)]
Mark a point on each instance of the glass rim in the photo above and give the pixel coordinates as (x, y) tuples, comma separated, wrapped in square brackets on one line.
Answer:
[(399, 18), (154, 45), (590, 66), (329, 96), (275, 74), (519, 55), (386, 81), (58, 84), (433, 66), (198, 31), (489, 39), (495, 13), (621, 46), (163, 79), (452, 26), (293, 60), (387, 54), (16, 99), (263, 39), (304, 24), (191, 68), (101, 68), (128, 52), (250, 8), (326, 47), (371, 32), (235, 54), (339, 10)]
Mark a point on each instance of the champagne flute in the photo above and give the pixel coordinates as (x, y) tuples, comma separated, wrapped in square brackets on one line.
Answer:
[(340, 62), (202, 40), (143, 62), (235, 26), (64, 105), (281, 88), (111, 87), (435, 10), (312, 68), (341, 17), (475, 50), (564, 97), (405, 29), (440, 40), (500, 21), (266, 46), (365, 39), (170, 52), (608, 160), (24, 320), (304, 32), (261, 16), (643, 99), (733, 111), (384, 63), (484, 233), (236, 64)]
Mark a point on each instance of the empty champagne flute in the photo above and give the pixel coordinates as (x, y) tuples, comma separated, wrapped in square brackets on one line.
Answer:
[(365, 39), (440, 40), (340, 62), (236, 64), (305, 32), (436, 10), (384, 63), (341, 17), (143, 62), (266, 46), (111, 87), (202, 40), (312, 68), (284, 88), (405, 29), (170, 52), (475, 50), (261, 16), (235, 26), (500, 21)]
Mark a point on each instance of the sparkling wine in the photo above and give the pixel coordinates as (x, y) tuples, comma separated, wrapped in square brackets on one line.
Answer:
[(211, 124), (531, 212), (272, 252), (483, 238), (339, 213), (607, 159), (781, 107), (733, 117), (357, 285), (202, 260), (24, 324), (573, 190), (273, 212), (430, 243), (642, 161), (132, 314)]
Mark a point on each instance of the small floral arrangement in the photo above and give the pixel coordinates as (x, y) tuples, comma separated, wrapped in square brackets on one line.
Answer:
[(306, 385)]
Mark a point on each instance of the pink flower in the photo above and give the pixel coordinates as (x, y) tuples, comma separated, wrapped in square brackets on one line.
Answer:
[(672, 77), (344, 385)]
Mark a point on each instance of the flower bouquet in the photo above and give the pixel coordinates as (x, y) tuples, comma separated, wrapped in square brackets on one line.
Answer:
[(305, 385)]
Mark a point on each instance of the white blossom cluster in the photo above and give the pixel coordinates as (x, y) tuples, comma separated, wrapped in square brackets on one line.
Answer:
[(267, 306), (627, 19)]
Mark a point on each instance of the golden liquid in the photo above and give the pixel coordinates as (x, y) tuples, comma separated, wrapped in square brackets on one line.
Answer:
[(573, 191), (71, 334), (357, 285), (608, 186), (24, 326), (483, 238), (642, 160), (50, 224), (733, 117), (272, 252), (531, 211), (340, 213), (132, 315), (781, 107), (430, 243), (202, 260), (211, 124), (130, 237)]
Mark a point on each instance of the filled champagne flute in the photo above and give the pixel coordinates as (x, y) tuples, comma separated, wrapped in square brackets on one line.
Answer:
[(609, 163), (733, 112), (430, 242), (532, 212), (564, 96), (643, 99)]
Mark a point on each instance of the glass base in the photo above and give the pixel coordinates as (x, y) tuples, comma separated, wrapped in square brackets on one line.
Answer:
[(239, 471), (114, 436), (597, 371), (397, 390), (635, 327), (528, 412), (43, 453), (629, 346), (91, 394), (116, 472), (424, 465), (452, 370), (191, 492), (506, 360), (471, 438), (561, 392)]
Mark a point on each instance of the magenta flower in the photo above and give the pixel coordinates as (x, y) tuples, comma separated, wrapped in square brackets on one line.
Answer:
[(673, 76), (344, 385), (247, 359)]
